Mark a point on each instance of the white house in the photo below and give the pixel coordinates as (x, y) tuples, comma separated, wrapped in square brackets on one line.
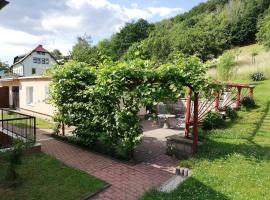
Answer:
[(29, 94), (27, 87), (33, 63)]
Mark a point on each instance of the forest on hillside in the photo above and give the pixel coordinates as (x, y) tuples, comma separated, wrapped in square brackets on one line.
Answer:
[(206, 31)]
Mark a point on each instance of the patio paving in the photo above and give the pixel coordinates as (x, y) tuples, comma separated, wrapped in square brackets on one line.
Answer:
[(128, 181)]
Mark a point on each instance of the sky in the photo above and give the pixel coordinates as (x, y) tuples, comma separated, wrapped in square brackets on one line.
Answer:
[(57, 23)]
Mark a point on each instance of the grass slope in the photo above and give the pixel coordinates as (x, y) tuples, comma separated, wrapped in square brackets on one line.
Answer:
[(43, 177), (233, 163), (244, 64)]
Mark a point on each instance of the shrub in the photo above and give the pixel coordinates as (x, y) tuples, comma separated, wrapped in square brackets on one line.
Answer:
[(13, 157), (213, 120), (257, 76), (248, 102), (225, 66), (231, 113)]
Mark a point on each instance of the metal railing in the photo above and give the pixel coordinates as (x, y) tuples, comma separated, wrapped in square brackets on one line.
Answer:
[(18, 125)]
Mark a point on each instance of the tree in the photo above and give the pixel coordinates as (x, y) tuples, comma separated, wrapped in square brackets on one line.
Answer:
[(225, 66), (4, 67), (57, 54), (83, 51), (131, 33), (254, 53), (263, 35)]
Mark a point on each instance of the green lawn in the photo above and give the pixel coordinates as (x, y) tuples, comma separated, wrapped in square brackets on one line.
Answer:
[(44, 124), (40, 123), (233, 163), (45, 178)]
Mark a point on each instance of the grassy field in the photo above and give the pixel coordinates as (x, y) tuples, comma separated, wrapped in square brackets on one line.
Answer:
[(43, 177), (233, 163), (244, 64)]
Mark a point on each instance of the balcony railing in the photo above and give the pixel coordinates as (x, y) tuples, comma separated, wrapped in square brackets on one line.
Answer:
[(18, 125)]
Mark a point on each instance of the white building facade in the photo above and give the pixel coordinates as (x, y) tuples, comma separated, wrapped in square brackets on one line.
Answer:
[(34, 63)]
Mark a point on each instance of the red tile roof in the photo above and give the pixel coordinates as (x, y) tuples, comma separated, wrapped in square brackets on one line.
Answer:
[(40, 48)]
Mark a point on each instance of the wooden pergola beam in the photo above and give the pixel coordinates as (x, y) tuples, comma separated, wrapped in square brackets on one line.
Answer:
[(196, 123)]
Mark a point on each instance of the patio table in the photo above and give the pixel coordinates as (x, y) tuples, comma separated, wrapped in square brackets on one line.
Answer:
[(166, 117)]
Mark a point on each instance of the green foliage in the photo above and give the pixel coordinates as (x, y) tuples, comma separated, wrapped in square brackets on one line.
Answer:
[(257, 76), (242, 149), (207, 30), (263, 35), (57, 54), (120, 42), (225, 66), (83, 51), (4, 67), (231, 113), (248, 102), (13, 157), (213, 120), (103, 103)]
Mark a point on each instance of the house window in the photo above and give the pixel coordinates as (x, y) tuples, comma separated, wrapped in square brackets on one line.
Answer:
[(29, 95), (38, 60), (33, 70), (34, 60), (46, 60), (43, 60)]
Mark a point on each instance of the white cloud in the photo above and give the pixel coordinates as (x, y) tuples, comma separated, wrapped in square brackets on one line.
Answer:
[(60, 22), (55, 22), (164, 11), (15, 37)]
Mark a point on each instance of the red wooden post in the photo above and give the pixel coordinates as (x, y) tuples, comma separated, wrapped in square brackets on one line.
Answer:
[(195, 123), (63, 129), (188, 113), (251, 91), (238, 102), (217, 101)]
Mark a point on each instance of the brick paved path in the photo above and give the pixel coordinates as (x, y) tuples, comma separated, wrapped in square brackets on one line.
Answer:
[(128, 182)]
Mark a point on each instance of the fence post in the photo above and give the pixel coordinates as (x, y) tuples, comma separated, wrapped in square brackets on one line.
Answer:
[(2, 119), (63, 129), (217, 100), (195, 123), (188, 113), (238, 102), (35, 133), (251, 91)]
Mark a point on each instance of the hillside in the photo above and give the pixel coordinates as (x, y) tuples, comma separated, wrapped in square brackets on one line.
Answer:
[(244, 64), (206, 30)]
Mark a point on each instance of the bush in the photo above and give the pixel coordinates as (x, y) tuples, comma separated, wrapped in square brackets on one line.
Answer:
[(248, 102), (13, 157), (231, 113), (213, 120), (257, 76), (225, 66)]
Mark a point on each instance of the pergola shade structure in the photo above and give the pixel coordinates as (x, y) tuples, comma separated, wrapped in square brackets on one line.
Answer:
[(228, 95), (3, 3)]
